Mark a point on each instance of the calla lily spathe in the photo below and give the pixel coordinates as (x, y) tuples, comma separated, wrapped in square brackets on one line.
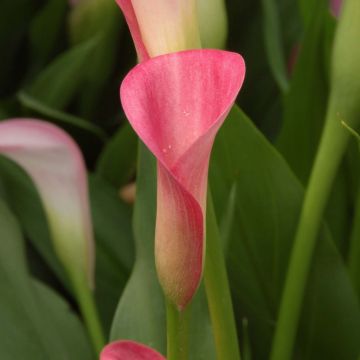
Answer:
[(55, 164), (161, 26), (176, 103), (129, 350)]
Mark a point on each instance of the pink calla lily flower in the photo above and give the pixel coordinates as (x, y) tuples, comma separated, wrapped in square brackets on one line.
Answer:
[(55, 164), (335, 6), (161, 26), (129, 350), (176, 103)]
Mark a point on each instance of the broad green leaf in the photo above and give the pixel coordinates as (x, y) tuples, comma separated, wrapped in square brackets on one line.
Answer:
[(112, 227), (268, 200), (103, 19), (25, 203), (61, 117), (354, 248), (308, 7), (304, 115), (50, 17), (141, 311), (273, 43), (114, 246), (260, 96), (117, 161), (57, 84), (354, 251), (305, 104), (35, 322), (15, 17)]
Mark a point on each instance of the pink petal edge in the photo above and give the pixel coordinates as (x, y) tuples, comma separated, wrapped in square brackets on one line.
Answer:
[(130, 17), (55, 164), (176, 103), (129, 350)]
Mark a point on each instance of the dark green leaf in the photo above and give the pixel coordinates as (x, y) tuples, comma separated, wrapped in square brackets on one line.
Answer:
[(268, 200), (59, 116), (112, 226), (35, 322), (273, 43), (117, 162), (51, 18), (114, 246), (305, 104), (24, 201), (57, 84)]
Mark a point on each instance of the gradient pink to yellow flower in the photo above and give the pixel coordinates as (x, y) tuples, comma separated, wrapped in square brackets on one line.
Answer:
[(176, 103)]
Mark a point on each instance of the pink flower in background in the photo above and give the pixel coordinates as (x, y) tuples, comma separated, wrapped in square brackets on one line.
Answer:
[(161, 26), (176, 103), (129, 350), (335, 6), (55, 164)]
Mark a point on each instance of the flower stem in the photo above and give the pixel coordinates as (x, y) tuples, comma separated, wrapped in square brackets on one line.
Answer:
[(177, 332), (89, 313), (218, 292), (331, 150)]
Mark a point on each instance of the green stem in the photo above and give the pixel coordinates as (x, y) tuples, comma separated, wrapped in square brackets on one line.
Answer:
[(218, 292), (177, 332), (331, 150), (89, 313)]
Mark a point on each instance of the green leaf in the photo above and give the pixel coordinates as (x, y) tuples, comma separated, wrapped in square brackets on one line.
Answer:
[(305, 104), (261, 97), (112, 227), (117, 161), (51, 17), (57, 84), (35, 322), (103, 19), (13, 28), (24, 201), (354, 248), (273, 43), (59, 116), (268, 200), (304, 115), (141, 311), (114, 246)]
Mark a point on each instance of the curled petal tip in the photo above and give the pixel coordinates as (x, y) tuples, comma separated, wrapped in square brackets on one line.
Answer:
[(129, 350), (176, 104)]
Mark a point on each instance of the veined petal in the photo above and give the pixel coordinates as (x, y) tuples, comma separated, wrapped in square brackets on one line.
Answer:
[(129, 350), (176, 104), (161, 26), (55, 164)]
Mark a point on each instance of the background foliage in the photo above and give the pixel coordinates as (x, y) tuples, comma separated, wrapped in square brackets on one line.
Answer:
[(65, 65)]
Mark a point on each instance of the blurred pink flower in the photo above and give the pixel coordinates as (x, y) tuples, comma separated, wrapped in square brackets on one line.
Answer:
[(129, 350), (335, 6), (55, 164)]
